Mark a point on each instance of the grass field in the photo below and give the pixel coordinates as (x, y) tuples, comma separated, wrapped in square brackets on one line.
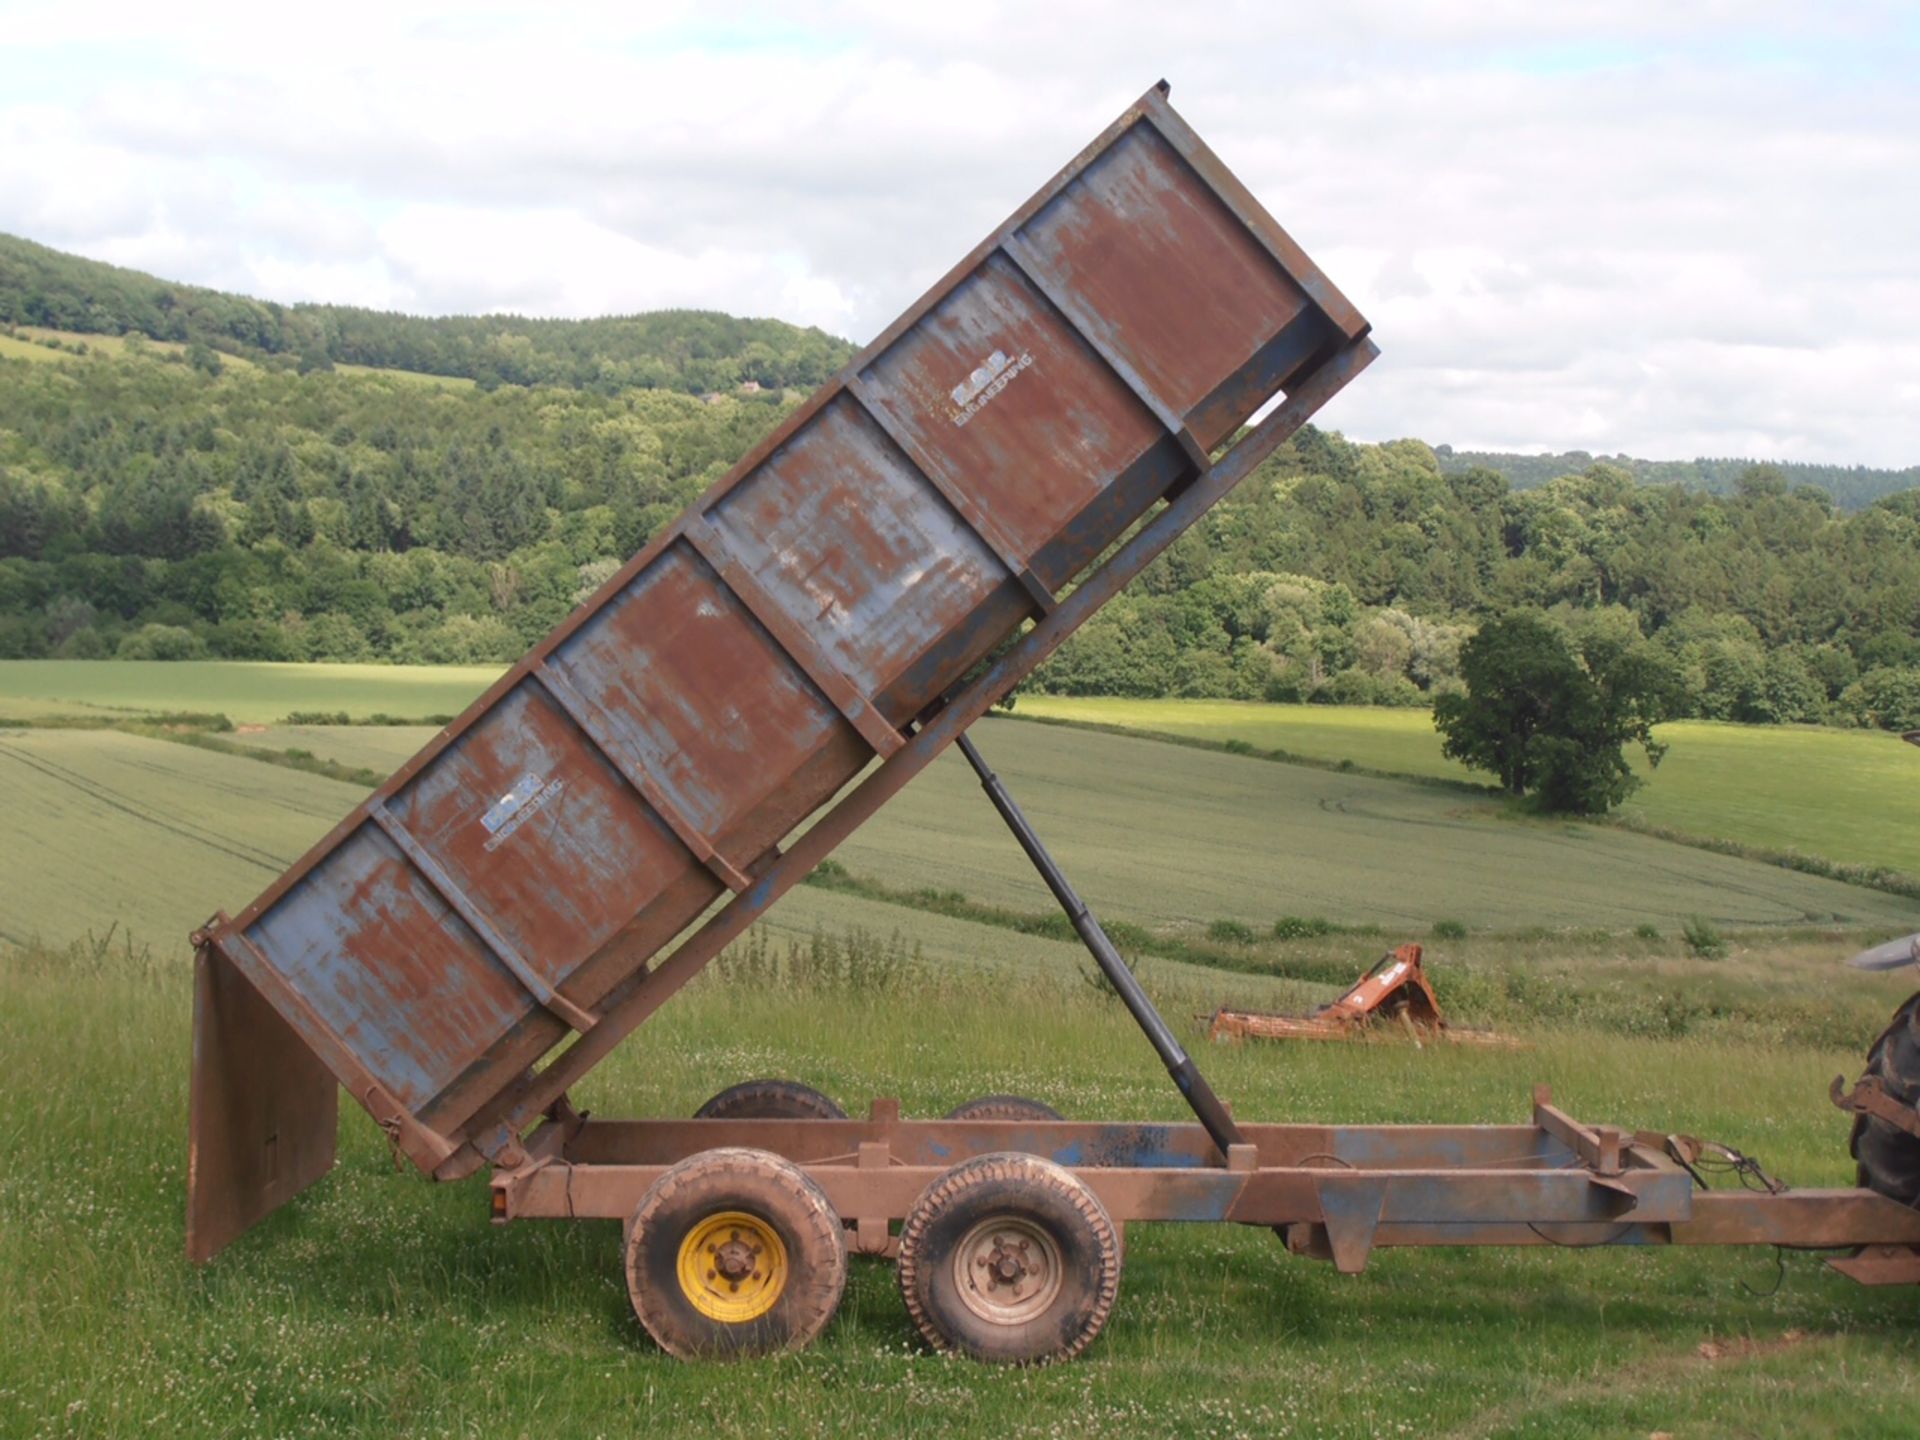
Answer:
[(412, 377), (155, 835), (245, 692), (1845, 795), (14, 348), (1837, 794), (379, 1304), (22, 347)]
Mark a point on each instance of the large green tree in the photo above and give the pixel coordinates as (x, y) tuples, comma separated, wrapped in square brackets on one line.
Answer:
[(1551, 715)]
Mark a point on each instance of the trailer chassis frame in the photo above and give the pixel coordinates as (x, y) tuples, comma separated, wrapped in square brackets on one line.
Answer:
[(1334, 1192)]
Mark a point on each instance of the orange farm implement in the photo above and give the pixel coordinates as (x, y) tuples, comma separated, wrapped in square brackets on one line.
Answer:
[(1393, 996)]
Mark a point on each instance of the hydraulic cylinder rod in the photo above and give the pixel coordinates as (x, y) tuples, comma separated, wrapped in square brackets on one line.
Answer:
[(1193, 1085)]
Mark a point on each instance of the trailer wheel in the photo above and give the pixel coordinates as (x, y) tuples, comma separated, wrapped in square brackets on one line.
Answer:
[(735, 1252), (1004, 1107), (770, 1100), (1888, 1157), (1010, 1259)]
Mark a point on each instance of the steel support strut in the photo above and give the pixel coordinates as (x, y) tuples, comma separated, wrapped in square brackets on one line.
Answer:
[(1193, 1085)]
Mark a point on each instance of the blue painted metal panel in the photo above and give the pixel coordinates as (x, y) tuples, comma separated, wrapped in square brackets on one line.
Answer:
[(540, 832), (697, 689), (848, 536), (383, 961)]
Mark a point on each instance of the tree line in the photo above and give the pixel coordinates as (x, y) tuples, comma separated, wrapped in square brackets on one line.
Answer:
[(689, 350), (1851, 486), (1354, 573), (153, 508)]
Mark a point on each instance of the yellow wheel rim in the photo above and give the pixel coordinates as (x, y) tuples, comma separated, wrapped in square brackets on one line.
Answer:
[(732, 1267)]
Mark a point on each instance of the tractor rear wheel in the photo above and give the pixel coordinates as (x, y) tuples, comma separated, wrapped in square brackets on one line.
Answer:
[(770, 1100), (1889, 1158), (1011, 1259), (735, 1252)]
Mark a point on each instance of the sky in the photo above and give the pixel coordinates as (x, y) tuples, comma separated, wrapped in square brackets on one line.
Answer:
[(1671, 229)]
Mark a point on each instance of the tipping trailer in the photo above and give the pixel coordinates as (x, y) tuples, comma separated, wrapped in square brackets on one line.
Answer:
[(629, 798)]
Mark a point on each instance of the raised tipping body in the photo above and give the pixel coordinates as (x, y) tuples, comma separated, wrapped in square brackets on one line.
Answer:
[(817, 611)]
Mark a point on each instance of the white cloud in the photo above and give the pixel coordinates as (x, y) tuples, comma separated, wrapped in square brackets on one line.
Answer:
[(1664, 228)]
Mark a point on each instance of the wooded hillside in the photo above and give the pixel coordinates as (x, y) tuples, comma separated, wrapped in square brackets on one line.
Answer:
[(690, 350), (149, 507)]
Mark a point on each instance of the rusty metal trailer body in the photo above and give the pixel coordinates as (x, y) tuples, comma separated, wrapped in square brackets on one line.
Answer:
[(820, 608), (774, 666)]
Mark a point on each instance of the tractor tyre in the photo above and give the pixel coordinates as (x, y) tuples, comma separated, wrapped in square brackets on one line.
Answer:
[(1889, 1158), (770, 1100), (1009, 1259), (735, 1252)]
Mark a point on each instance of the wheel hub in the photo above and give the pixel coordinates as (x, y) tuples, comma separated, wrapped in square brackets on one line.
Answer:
[(734, 1260), (1007, 1270), (732, 1267)]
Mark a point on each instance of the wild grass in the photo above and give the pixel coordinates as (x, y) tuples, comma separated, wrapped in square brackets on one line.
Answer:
[(929, 968), (380, 1304)]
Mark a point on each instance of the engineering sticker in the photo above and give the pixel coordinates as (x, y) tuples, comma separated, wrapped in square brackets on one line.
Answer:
[(971, 395), (516, 807)]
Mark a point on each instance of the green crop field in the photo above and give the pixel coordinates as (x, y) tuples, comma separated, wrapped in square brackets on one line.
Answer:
[(102, 828), (380, 748), (1838, 794), (1160, 835), (245, 692), (1165, 834), (1178, 837), (149, 838), (379, 1304), (1844, 795)]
